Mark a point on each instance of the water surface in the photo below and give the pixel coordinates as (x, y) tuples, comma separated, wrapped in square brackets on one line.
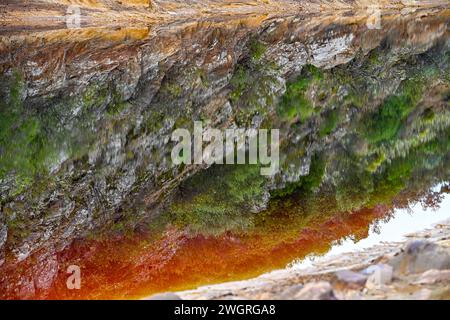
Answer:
[(85, 171)]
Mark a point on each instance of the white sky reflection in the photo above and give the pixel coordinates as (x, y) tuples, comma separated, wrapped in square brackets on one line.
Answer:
[(403, 223)]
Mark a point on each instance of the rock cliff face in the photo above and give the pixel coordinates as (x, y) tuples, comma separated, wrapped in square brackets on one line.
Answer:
[(87, 115)]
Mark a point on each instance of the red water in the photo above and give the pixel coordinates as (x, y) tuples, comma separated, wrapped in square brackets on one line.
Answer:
[(135, 268)]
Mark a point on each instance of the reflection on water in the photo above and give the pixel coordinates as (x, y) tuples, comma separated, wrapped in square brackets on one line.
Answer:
[(402, 223), (86, 119), (137, 267)]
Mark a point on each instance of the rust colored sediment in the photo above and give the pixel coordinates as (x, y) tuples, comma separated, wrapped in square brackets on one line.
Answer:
[(135, 268)]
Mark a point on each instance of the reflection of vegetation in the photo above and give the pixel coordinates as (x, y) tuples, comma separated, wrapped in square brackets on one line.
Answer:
[(306, 184), (388, 137), (331, 120), (239, 81), (385, 123), (223, 203), (294, 102), (357, 188), (117, 104), (375, 163), (254, 86), (172, 89), (257, 49), (381, 149), (35, 141), (24, 149), (215, 205)]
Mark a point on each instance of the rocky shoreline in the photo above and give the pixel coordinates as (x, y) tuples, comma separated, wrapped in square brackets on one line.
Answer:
[(417, 268)]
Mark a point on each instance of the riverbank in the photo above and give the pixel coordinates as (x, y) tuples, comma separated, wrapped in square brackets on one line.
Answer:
[(416, 268)]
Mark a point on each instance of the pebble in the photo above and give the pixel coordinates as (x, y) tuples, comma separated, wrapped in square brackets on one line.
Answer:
[(351, 277), (380, 274), (316, 291), (419, 256), (165, 296), (291, 292), (433, 276)]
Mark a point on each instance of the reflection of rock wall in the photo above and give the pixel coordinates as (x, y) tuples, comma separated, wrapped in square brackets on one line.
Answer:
[(51, 14), (92, 111)]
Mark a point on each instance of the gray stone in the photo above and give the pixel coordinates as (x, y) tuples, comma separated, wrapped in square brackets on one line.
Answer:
[(164, 296), (433, 276), (351, 277), (3, 237), (380, 274), (424, 294), (3, 234), (46, 270), (26, 289), (291, 292), (419, 256), (316, 291)]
